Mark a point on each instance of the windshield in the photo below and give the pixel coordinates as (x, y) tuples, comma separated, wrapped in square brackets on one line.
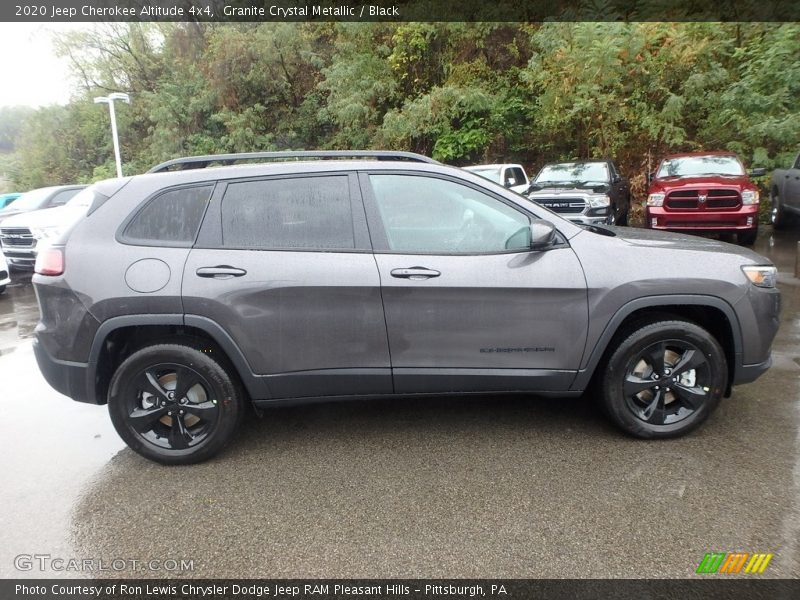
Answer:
[(33, 199), (688, 166), (573, 173), (490, 174)]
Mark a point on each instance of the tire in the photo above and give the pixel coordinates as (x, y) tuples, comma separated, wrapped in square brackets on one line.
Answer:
[(777, 215), (623, 219), (2, 289), (639, 391), (169, 425), (747, 238)]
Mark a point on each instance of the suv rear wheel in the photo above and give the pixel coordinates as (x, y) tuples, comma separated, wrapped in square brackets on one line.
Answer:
[(174, 404), (777, 215), (664, 379)]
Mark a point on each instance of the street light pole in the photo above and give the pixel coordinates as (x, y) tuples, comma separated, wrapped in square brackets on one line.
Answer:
[(110, 101)]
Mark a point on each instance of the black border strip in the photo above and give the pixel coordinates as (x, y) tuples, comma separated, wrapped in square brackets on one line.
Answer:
[(711, 587), (398, 10)]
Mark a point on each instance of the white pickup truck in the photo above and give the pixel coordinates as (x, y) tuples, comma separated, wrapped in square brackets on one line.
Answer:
[(510, 176), (784, 193)]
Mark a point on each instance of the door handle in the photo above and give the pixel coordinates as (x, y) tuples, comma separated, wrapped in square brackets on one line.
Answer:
[(415, 273), (220, 272)]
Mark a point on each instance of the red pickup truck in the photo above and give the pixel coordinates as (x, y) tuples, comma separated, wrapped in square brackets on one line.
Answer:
[(708, 192)]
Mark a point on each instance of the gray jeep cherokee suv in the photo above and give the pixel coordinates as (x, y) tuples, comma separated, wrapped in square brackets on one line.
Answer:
[(185, 294)]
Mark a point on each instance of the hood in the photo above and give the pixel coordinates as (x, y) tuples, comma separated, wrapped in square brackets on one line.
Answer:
[(678, 241), (49, 217), (550, 189), (669, 184), (9, 211)]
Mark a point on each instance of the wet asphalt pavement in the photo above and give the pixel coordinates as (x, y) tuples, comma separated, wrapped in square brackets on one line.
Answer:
[(511, 487)]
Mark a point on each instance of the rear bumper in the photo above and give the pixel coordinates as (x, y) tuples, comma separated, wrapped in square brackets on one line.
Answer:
[(744, 218), (68, 378)]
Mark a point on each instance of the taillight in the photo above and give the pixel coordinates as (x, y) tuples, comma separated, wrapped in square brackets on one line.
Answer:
[(50, 261)]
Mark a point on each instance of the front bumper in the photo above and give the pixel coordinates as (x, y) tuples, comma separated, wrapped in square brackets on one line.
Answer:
[(749, 373), (21, 259), (584, 220), (744, 218)]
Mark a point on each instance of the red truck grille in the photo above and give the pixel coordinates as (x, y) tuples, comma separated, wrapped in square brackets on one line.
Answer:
[(711, 199)]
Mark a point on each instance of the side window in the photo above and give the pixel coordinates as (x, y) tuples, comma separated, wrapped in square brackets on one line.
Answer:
[(62, 198), (172, 217), (275, 214), (435, 216), (613, 171), (797, 162), (517, 175)]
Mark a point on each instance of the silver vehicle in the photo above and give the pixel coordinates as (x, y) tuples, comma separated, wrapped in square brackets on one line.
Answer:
[(184, 295), (24, 234)]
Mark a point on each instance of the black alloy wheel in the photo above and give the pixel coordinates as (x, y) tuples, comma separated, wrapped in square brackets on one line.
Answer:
[(174, 404), (664, 379)]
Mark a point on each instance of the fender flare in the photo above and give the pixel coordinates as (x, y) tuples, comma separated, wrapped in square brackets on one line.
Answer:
[(584, 375), (254, 385)]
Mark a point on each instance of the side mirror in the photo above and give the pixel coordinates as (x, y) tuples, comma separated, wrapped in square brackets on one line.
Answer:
[(509, 182), (650, 177), (543, 234), (758, 172)]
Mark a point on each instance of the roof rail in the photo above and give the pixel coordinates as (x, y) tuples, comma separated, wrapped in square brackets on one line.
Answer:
[(201, 162)]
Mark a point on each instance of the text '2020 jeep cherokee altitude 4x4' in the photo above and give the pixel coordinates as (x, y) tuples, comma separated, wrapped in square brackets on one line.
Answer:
[(184, 294)]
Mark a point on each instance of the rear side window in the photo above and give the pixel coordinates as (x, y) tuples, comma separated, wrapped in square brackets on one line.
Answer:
[(172, 217), (61, 198), (275, 214)]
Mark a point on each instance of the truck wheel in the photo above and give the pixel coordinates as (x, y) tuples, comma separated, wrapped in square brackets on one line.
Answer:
[(747, 238), (777, 215), (664, 379), (623, 219), (174, 404)]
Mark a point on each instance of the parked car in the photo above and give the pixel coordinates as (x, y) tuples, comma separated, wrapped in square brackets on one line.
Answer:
[(510, 176), (22, 235), (183, 295), (6, 199), (784, 194), (708, 192), (587, 191), (41, 198), (5, 274)]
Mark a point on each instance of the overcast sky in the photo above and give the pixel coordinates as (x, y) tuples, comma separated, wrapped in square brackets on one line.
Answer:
[(30, 72)]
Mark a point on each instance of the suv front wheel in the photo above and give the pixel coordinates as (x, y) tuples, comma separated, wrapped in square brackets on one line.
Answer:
[(174, 404), (664, 379)]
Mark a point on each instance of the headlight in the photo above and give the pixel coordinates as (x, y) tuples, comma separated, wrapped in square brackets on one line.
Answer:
[(762, 276), (750, 197), (655, 199), (45, 232), (598, 201)]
